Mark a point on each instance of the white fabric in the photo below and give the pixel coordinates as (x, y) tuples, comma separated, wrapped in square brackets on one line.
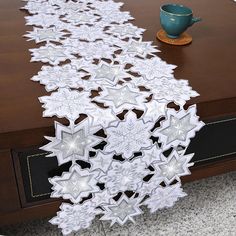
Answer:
[(92, 45)]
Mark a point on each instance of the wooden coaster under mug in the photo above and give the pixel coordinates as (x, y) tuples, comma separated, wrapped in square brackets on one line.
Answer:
[(184, 38)]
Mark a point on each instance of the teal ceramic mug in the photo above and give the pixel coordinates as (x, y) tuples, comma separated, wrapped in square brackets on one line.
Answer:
[(175, 19)]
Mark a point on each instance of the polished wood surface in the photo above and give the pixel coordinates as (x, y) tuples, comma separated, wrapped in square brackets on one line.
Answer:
[(208, 63)]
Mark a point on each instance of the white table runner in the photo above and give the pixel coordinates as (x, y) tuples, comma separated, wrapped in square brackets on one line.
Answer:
[(128, 160)]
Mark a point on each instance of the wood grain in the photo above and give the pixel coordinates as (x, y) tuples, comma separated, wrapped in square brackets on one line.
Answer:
[(208, 63)]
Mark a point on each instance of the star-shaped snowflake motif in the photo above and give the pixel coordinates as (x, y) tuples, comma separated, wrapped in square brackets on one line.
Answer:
[(107, 5), (72, 44), (88, 85), (138, 48), (128, 136), (126, 176), (154, 110), (81, 64), (101, 161), (64, 76), (101, 117), (89, 33), (71, 6), (50, 53), (138, 82), (113, 41), (153, 68), (163, 197), (148, 187), (101, 198), (39, 7), (179, 127), (115, 16), (122, 211), (126, 31), (122, 97), (75, 184), (72, 143), (170, 90), (152, 155), (96, 50), (45, 34), (44, 20), (108, 73), (75, 217), (125, 58), (153, 182), (78, 18), (66, 103), (173, 167)]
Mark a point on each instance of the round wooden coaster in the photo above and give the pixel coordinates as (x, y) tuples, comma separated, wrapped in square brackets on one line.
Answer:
[(182, 40)]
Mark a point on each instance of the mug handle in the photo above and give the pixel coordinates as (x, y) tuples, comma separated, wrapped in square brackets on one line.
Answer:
[(194, 20)]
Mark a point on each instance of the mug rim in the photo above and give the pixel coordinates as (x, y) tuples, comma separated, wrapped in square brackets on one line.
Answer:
[(173, 4)]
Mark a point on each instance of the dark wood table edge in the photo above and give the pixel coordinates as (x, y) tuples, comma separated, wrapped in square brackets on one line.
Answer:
[(207, 111)]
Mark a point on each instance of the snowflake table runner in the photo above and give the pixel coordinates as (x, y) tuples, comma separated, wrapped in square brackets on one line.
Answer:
[(128, 150)]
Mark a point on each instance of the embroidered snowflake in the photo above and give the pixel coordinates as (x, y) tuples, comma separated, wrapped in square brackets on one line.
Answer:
[(179, 127), (163, 197), (174, 166), (71, 6), (72, 45), (101, 116), (71, 143), (78, 18), (75, 184), (137, 48), (128, 136), (125, 58), (44, 20), (122, 97), (139, 82), (45, 35), (96, 50), (107, 5), (75, 217), (65, 103), (125, 176), (101, 162), (153, 68), (81, 64), (88, 85), (42, 7), (102, 197), (122, 211), (119, 17), (168, 90), (89, 33), (108, 73), (50, 53), (152, 155), (125, 31), (59, 77), (113, 41), (148, 187), (155, 110)]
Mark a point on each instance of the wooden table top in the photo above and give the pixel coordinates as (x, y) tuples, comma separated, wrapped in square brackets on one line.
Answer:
[(208, 63)]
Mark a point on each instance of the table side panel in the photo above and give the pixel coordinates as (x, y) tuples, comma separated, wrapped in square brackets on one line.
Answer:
[(9, 197)]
